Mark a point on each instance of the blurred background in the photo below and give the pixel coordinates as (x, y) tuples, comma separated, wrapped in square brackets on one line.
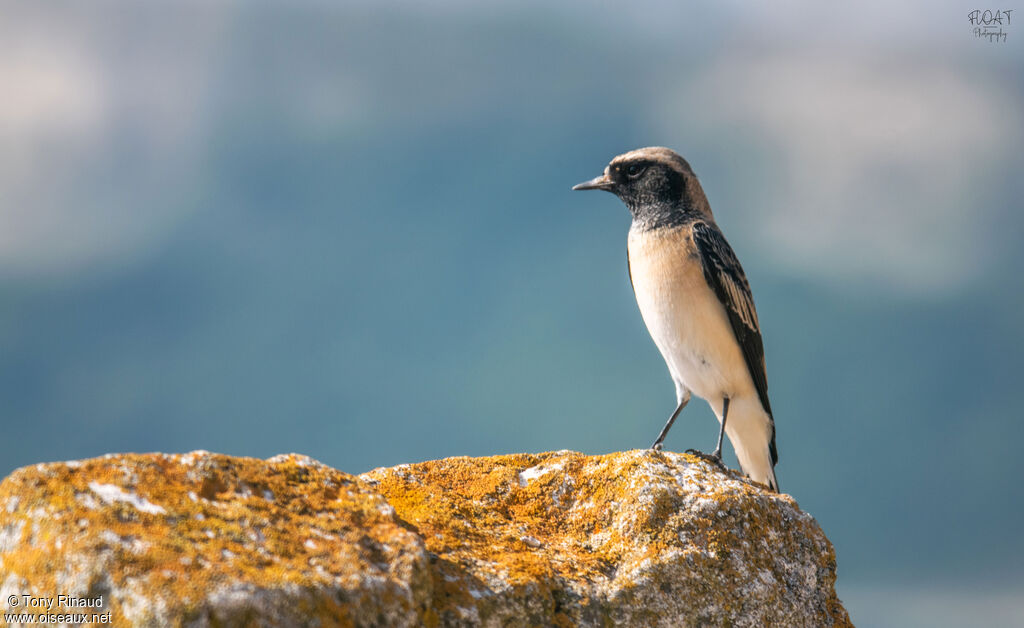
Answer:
[(345, 229)]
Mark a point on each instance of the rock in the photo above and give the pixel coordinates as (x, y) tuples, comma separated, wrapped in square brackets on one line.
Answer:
[(557, 539)]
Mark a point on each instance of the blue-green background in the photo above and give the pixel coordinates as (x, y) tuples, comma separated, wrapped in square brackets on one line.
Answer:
[(346, 230)]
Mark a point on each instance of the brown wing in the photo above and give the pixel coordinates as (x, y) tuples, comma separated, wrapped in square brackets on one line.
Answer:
[(725, 276)]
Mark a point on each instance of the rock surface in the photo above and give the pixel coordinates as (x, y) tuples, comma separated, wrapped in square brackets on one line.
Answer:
[(558, 539)]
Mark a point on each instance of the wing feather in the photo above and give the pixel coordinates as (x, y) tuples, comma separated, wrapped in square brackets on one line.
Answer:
[(726, 278)]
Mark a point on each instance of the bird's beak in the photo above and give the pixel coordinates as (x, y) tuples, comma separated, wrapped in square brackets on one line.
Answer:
[(597, 183)]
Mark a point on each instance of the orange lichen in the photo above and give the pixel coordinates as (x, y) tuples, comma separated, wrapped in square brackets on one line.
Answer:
[(564, 518), (636, 538), (224, 520)]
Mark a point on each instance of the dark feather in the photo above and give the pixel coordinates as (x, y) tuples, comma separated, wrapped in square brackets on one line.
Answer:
[(629, 271), (725, 276)]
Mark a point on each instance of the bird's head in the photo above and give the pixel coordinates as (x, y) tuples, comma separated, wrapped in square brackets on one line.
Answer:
[(656, 184)]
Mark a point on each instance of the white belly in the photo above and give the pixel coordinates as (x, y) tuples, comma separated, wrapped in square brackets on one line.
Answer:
[(685, 318), (691, 329)]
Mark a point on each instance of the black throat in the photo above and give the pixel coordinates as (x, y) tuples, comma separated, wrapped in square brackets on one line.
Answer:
[(665, 197), (652, 213)]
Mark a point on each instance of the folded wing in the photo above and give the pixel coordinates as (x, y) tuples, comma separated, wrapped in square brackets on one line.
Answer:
[(726, 278)]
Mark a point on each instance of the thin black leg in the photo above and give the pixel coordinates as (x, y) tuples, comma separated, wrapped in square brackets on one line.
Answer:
[(672, 419), (716, 457), (721, 432)]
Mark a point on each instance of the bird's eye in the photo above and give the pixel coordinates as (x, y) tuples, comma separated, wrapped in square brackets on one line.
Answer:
[(635, 170)]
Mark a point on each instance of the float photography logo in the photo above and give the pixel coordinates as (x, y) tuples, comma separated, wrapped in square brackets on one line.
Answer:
[(989, 24)]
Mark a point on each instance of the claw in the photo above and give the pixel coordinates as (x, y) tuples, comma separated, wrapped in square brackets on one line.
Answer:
[(715, 459)]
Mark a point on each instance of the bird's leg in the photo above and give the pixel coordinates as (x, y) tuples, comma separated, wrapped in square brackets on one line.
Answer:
[(716, 457), (672, 419), (721, 431)]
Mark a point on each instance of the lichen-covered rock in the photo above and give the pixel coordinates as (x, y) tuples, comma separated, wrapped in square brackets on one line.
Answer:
[(210, 540), (558, 539)]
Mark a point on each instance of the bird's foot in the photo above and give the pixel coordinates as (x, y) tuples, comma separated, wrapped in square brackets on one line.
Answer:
[(656, 446), (715, 458)]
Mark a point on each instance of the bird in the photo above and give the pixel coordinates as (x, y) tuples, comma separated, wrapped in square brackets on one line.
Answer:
[(696, 303)]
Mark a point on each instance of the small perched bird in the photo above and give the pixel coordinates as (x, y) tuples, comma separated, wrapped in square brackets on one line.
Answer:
[(696, 302)]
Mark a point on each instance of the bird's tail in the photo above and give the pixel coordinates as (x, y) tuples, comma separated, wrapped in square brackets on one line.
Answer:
[(750, 431)]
